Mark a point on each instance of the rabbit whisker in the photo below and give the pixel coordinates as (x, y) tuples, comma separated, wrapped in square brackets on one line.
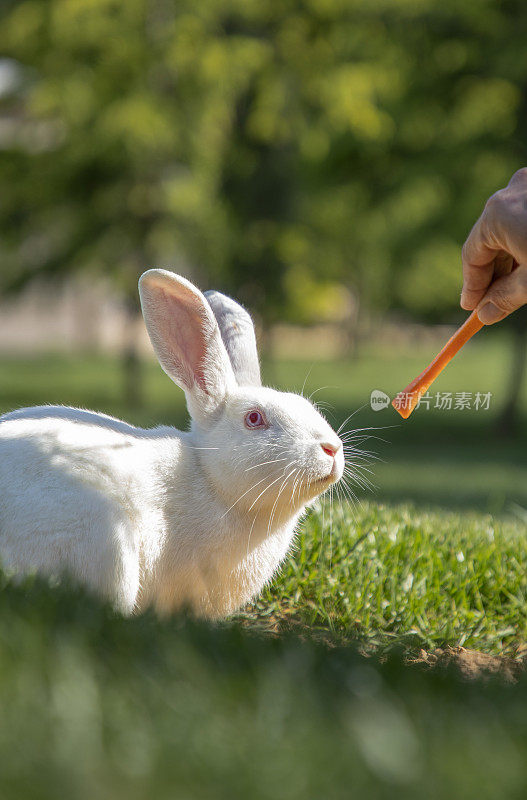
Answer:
[(350, 495), (330, 530), (305, 379), (355, 444), (243, 495), (269, 486), (296, 485), (349, 417), (351, 447), (347, 499), (301, 479), (370, 428), (322, 529), (271, 518), (361, 463), (362, 483), (357, 470), (250, 533), (274, 461), (320, 389)]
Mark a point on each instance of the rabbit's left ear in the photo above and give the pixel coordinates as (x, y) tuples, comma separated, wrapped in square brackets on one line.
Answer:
[(237, 332), (186, 339)]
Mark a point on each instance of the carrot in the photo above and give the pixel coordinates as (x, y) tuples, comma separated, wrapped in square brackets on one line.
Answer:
[(406, 401)]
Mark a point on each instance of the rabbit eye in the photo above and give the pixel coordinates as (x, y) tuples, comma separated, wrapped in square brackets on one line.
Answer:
[(254, 419)]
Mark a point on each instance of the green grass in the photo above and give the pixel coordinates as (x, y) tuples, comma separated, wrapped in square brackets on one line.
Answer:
[(280, 702), (94, 705), (388, 575), (378, 572)]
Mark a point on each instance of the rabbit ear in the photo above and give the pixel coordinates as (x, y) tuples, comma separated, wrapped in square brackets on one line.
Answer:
[(237, 332), (186, 339)]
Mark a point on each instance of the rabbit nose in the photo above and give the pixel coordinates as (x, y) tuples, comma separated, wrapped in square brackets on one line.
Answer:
[(330, 449)]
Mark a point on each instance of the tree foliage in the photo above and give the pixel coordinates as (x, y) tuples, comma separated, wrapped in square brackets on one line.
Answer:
[(275, 150)]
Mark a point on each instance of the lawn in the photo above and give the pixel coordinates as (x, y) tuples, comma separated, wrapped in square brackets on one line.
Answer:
[(308, 692), (95, 705), (433, 554), (398, 575)]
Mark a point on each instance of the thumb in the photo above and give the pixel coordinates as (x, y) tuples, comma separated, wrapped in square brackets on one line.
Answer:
[(505, 295)]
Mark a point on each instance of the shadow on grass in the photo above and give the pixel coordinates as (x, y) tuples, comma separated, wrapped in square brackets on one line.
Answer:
[(131, 708)]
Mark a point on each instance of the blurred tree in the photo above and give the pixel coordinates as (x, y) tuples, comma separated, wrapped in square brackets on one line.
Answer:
[(277, 151)]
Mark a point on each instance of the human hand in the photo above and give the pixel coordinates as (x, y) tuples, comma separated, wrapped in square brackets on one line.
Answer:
[(495, 254)]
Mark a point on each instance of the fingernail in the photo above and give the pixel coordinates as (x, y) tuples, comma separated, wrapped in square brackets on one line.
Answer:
[(489, 313)]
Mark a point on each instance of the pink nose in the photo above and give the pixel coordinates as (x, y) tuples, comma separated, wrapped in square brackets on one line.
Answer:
[(330, 449)]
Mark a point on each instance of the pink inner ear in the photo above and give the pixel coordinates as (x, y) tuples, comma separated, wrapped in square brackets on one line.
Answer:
[(182, 330)]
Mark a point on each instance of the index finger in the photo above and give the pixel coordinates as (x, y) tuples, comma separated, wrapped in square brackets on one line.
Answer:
[(478, 266)]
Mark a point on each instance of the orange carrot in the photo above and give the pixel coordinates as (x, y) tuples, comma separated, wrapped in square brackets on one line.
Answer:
[(406, 401)]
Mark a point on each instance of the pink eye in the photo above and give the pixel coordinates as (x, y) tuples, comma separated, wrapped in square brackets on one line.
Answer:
[(254, 419)]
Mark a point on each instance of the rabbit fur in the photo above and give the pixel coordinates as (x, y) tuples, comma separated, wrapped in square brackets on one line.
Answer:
[(199, 519)]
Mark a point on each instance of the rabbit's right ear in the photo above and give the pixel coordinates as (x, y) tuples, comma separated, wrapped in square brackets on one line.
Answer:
[(186, 339), (237, 332)]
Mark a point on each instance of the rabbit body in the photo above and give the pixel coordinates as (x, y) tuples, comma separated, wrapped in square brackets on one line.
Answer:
[(140, 530), (164, 518)]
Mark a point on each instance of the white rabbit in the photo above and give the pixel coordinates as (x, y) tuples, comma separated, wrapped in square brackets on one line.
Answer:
[(165, 518)]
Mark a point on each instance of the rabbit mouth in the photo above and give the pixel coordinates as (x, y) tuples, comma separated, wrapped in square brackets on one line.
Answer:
[(331, 477)]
